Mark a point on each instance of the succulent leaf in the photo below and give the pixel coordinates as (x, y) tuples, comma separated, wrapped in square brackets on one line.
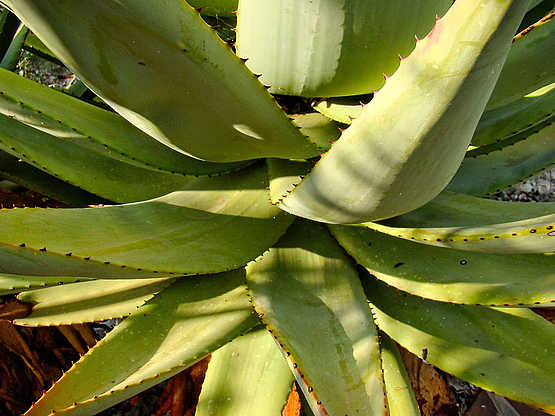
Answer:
[(213, 225), (516, 121), (94, 128), (215, 7), (284, 42), (488, 173), (172, 331), (96, 300), (400, 397), (9, 25), (490, 347), (13, 283), (15, 170), (183, 158), (36, 47), (308, 294), (537, 10), (222, 113), (248, 376), (342, 109), (318, 129), (451, 275), (528, 67), (534, 3), (91, 171), (10, 58), (417, 128), (464, 222), (284, 176)]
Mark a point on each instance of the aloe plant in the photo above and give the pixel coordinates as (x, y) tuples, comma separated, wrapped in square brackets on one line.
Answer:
[(231, 227)]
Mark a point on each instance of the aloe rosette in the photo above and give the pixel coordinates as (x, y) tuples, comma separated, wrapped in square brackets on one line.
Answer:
[(219, 223)]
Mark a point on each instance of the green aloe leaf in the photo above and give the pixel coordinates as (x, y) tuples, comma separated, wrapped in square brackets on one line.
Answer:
[(91, 171), (248, 376), (318, 129), (9, 24), (93, 128), (330, 48), (400, 397), (487, 173), (15, 170), (172, 331), (36, 47), (14, 283), (418, 126), (213, 225), (534, 3), (537, 10), (308, 294), (342, 109), (221, 113), (517, 120), (284, 175), (215, 7), (506, 350), (9, 60), (528, 66), (451, 275), (466, 222), (96, 300)]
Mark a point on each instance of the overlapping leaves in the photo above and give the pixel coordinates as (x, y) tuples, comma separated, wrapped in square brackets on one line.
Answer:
[(456, 251)]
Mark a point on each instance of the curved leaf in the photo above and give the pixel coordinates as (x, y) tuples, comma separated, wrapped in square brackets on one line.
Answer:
[(517, 120), (400, 397), (308, 294), (528, 66), (451, 275), (318, 129), (9, 60), (9, 24), (213, 225), (94, 172), (534, 3), (89, 126), (248, 376), (284, 176), (15, 170), (484, 174), (215, 7), (14, 283), (342, 109), (96, 300), (506, 350), (466, 222), (330, 48), (417, 128), (35, 46), (175, 329), (220, 111)]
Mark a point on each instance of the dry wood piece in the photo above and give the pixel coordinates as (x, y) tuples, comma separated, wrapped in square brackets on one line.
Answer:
[(30, 360), (548, 314), (12, 309), (433, 394), (180, 396)]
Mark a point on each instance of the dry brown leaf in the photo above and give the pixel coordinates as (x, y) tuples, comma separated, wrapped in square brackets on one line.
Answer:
[(432, 392), (11, 308), (293, 406), (548, 314)]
